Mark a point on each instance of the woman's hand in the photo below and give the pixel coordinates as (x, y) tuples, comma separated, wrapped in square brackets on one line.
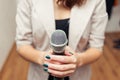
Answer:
[(61, 65), (43, 55)]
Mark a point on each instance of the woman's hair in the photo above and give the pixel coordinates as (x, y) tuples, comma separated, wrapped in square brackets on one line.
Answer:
[(70, 3)]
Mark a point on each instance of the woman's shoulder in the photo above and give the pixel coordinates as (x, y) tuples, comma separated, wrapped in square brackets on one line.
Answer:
[(95, 1)]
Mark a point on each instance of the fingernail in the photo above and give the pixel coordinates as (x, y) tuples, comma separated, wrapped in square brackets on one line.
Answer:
[(71, 53), (45, 69), (45, 65), (48, 57)]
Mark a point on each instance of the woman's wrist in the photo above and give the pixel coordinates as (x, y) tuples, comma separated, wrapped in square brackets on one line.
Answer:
[(79, 58), (80, 61), (40, 59), (88, 57)]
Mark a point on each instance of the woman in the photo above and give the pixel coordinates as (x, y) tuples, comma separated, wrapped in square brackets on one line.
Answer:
[(84, 23)]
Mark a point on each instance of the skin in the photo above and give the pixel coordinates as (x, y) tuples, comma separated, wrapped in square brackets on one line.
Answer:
[(60, 66)]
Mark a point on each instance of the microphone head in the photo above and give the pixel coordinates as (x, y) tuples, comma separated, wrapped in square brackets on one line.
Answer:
[(58, 41)]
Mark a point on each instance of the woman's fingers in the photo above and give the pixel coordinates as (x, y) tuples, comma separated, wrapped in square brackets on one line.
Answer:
[(68, 51), (59, 70), (60, 73), (44, 53), (61, 59), (60, 67)]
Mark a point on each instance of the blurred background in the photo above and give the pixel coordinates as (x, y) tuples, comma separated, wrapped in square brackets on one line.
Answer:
[(13, 67)]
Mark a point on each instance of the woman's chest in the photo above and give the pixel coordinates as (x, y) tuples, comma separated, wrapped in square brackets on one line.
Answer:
[(60, 11)]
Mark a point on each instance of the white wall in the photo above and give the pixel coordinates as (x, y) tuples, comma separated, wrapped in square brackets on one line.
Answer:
[(7, 28), (113, 24)]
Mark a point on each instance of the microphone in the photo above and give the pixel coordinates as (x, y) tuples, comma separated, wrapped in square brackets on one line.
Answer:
[(58, 42)]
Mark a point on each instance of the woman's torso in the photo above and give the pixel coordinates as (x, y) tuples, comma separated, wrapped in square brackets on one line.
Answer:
[(43, 17)]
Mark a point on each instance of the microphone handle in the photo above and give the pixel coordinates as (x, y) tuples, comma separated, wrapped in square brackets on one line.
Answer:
[(58, 53), (57, 78)]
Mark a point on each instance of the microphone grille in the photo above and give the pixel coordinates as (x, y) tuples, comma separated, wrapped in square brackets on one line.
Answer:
[(58, 37)]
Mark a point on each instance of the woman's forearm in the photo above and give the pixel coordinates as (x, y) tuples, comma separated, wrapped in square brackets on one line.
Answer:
[(30, 54), (88, 56)]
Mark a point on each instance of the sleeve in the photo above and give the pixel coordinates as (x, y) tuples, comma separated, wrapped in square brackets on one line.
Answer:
[(99, 22), (23, 21)]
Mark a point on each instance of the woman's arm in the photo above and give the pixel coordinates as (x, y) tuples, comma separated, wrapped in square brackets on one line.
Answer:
[(32, 55), (87, 57), (96, 42), (24, 33)]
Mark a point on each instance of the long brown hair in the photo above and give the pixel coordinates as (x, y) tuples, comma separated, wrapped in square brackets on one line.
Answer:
[(70, 3)]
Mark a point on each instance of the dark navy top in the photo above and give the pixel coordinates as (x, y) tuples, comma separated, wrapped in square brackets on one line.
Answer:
[(63, 24)]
